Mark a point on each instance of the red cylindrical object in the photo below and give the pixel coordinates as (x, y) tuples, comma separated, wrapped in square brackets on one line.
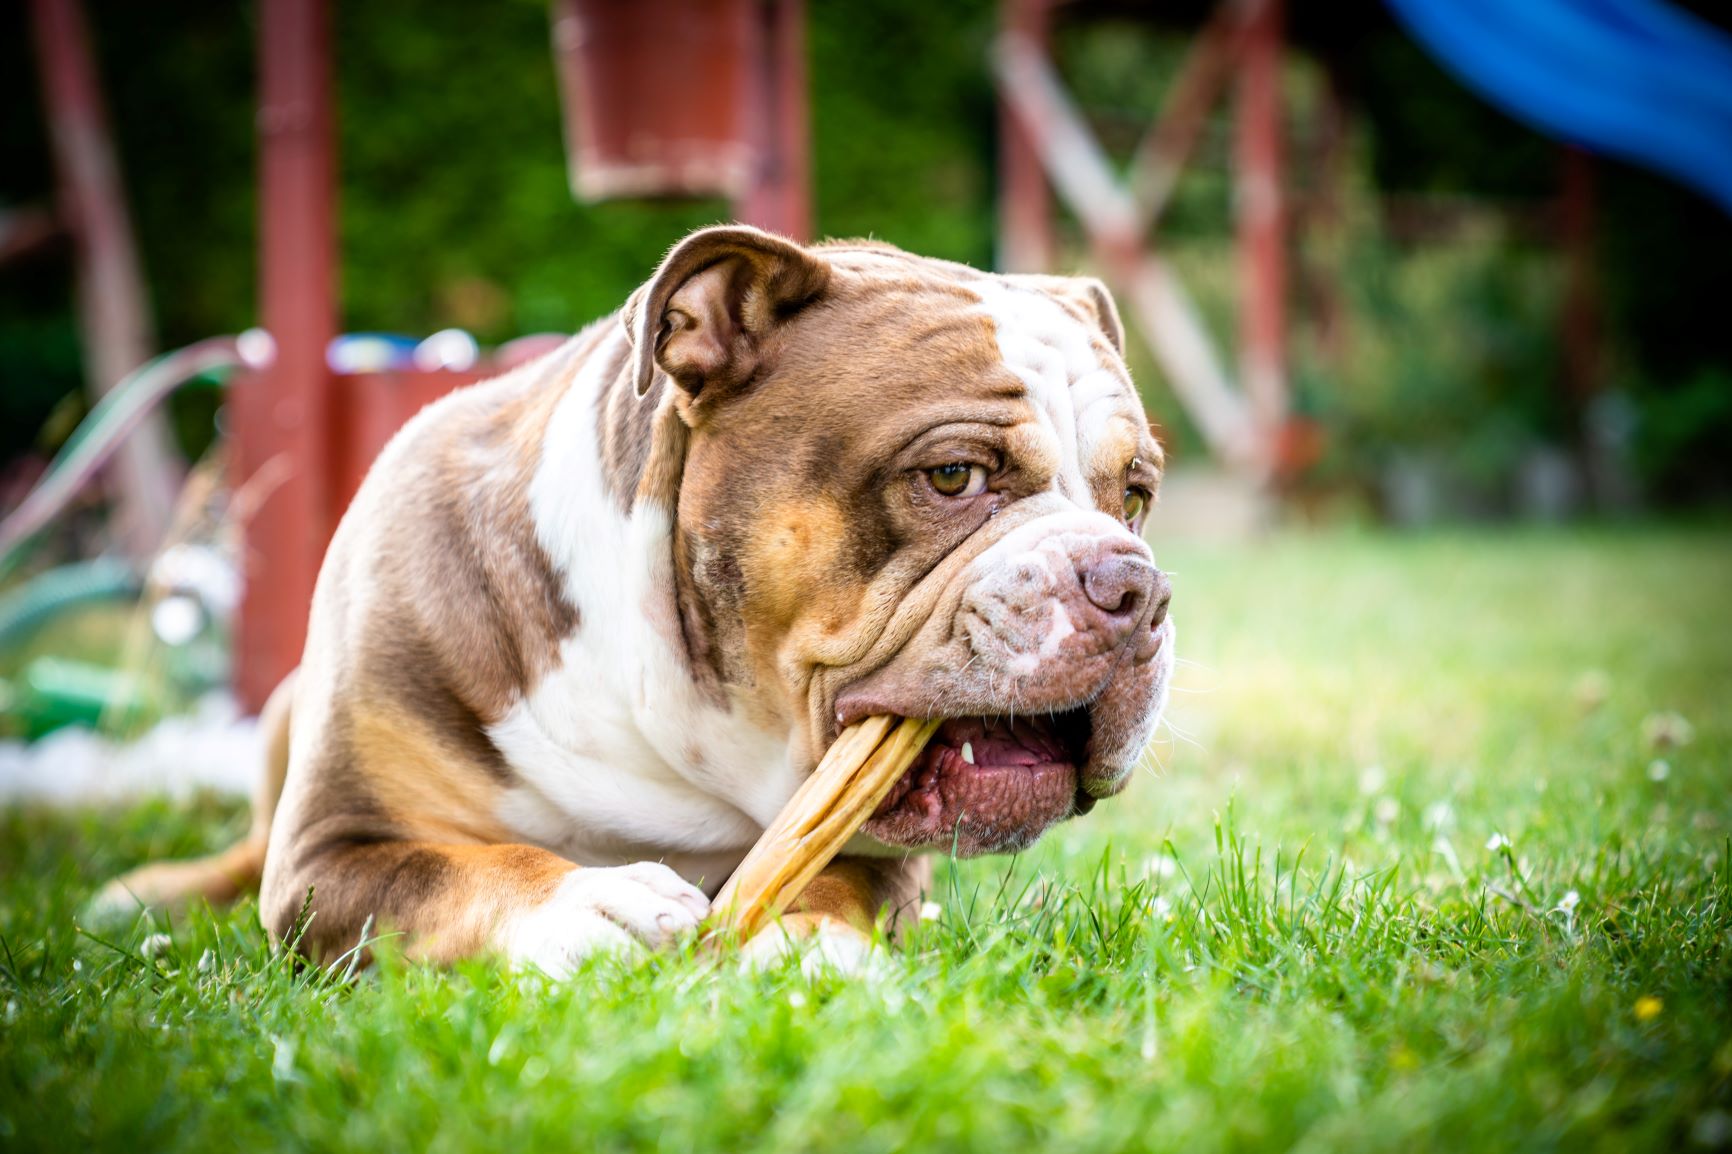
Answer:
[(655, 94)]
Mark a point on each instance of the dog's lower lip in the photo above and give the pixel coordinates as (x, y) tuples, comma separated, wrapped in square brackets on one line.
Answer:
[(990, 748)]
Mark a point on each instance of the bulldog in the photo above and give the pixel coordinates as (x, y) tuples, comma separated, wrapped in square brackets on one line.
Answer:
[(587, 626)]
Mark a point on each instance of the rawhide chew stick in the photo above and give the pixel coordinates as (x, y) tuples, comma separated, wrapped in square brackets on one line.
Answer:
[(853, 777)]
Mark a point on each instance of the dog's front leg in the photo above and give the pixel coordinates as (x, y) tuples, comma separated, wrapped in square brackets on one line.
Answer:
[(836, 919), (530, 906)]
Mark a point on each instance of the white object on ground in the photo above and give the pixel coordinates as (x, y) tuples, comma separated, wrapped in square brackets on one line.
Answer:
[(214, 748)]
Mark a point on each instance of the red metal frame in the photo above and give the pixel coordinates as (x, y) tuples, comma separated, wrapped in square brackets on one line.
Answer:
[(1245, 431)]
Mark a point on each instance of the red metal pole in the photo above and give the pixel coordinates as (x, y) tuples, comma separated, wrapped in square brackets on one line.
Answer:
[(1581, 319), (113, 316), (1025, 228), (279, 417), (1323, 223), (779, 197), (1166, 147), (1261, 229)]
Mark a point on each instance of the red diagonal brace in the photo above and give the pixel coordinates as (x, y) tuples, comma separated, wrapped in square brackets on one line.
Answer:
[(1084, 178), (1204, 75)]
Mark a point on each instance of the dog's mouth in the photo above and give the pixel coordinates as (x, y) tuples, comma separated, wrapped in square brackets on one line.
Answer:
[(988, 784)]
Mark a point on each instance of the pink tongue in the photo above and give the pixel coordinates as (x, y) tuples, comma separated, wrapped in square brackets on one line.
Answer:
[(1000, 743)]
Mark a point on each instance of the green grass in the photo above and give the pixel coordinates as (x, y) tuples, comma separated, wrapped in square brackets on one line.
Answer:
[(1291, 936)]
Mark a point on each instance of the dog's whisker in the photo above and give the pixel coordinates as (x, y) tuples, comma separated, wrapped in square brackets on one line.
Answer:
[(1181, 735)]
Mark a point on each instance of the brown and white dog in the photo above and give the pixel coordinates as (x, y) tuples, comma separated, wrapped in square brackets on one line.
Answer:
[(587, 626)]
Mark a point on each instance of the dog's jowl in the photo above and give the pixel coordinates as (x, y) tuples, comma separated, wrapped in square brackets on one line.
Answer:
[(586, 627)]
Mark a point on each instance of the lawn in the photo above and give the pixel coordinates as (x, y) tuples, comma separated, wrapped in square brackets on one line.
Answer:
[(1440, 861)]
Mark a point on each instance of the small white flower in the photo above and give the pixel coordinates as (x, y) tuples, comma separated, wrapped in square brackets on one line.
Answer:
[(1161, 908), (1569, 902), (1443, 848), (1659, 769), (1496, 842), (796, 999), (1439, 816), (283, 1061), (154, 944), (1160, 867), (931, 911), (1386, 810), (1371, 779), (1667, 730)]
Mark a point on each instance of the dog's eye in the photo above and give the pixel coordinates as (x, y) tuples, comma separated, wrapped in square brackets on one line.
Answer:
[(958, 480), (1136, 504)]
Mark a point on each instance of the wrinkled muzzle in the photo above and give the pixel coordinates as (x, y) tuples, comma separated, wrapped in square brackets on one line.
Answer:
[(1049, 655)]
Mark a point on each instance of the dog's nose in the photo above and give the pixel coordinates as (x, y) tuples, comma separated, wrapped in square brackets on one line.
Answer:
[(1118, 586)]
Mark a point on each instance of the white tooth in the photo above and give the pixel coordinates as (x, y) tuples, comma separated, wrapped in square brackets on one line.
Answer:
[(968, 752)]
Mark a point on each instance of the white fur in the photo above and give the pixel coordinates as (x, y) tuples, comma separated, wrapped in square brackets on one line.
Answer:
[(1054, 355), (617, 748), (619, 910), (831, 947), (1034, 563), (1056, 632)]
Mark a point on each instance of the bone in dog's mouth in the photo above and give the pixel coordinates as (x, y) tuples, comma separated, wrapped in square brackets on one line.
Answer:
[(987, 784)]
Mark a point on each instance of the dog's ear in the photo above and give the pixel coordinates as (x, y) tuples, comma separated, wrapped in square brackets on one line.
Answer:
[(1089, 296), (705, 314), (1100, 301)]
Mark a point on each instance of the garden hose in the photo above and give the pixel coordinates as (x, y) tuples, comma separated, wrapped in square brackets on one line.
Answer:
[(116, 416), (33, 604)]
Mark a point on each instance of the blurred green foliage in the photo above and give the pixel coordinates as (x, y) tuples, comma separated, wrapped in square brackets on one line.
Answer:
[(455, 211)]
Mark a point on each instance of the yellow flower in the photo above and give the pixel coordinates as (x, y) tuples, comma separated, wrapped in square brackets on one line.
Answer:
[(1648, 1008)]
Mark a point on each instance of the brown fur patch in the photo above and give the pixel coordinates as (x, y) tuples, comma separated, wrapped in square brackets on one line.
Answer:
[(865, 893), (419, 773), (451, 899)]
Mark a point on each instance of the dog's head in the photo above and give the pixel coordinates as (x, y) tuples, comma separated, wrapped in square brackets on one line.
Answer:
[(909, 487)]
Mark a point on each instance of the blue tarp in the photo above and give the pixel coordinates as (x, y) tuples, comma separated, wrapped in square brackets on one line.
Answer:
[(1636, 79)]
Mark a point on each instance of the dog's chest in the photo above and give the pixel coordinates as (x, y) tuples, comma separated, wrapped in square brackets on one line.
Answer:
[(611, 764), (616, 751)]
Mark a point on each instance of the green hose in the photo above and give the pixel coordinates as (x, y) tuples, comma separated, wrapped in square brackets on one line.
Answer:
[(113, 418), (32, 605)]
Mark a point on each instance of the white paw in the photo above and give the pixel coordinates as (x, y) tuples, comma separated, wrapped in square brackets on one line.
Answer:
[(832, 947), (616, 909), (113, 906)]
